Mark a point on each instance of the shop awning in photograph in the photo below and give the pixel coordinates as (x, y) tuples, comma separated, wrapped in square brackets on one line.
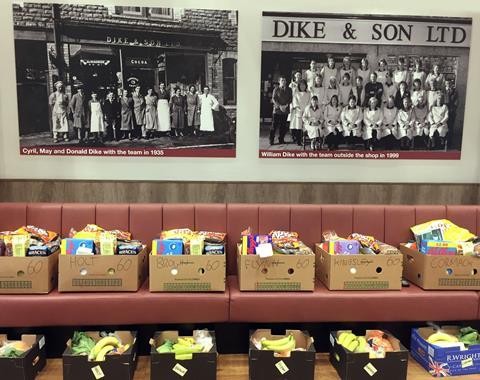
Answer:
[(93, 56), (147, 37)]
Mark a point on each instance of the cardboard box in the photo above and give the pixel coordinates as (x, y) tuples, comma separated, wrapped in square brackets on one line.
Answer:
[(28, 275), (117, 367), (441, 271), (359, 366), (29, 364), (202, 366), (276, 273), (97, 273), (188, 273), (442, 362), (359, 272), (265, 365)]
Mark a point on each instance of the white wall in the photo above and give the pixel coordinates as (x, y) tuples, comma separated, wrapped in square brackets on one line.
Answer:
[(247, 166)]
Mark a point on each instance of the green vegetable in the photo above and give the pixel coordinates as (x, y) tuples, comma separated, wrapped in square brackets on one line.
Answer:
[(469, 336), (11, 352), (166, 347), (82, 344)]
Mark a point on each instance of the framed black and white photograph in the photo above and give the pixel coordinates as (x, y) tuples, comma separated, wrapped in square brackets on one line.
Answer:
[(363, 87), (108, 80)]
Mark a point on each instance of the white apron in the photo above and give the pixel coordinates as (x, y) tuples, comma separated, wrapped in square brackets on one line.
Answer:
[(163, 114), (96, 117), (207, 105)]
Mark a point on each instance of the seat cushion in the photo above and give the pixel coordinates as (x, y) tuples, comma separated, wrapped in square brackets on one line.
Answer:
[(113, 216), (146, 222), (88, 309), (12, 216), (322, 305), (45, 215), (77, 216)]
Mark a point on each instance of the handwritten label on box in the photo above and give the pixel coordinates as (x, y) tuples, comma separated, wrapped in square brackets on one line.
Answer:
[(370, 369), (282, 367), (98, 373), (180, 370), (467, 363)]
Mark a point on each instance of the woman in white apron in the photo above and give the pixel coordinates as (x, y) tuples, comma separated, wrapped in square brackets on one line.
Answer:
[(313, 120), (208, 104), (389, 122), (405, 124), (438, 120), (163, 110), (332, 126), (301, 100), (352, 117), (372, 122), (364, 71), (329, 71), (97, 126), (381, 72), (319, 91), (59, 103), (421, 114)]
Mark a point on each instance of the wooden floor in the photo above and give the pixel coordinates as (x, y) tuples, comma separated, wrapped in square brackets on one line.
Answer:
[(235, 367)]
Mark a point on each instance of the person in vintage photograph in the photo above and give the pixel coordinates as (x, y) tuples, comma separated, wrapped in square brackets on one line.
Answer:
[(97, 126), (177, 109), (281, 98), (301, 100), (420, 128), (352, 117), (389, 123), (319, 91), (139, 113), (58, 102), (127, 117), (193, 110), (372, 123), (208, 104), (79, 109), (311, 74), (332, 123), (151, 116), (163, 110), (359, 91), (438, 121), (405, 124), (329, 71), (389, 88), (111, 114), (345, 89), (313, 121), (364, 71)]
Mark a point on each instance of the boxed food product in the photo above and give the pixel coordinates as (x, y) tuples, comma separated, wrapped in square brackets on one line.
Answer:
[(440, 230), (22, 359), (30, 261), (290, 356), (433, 247), (376, 354), (88, 265), (183, 260), (278, 262), (448, 272), (448, 351), (376, 266), (174, 356), (98, 355)]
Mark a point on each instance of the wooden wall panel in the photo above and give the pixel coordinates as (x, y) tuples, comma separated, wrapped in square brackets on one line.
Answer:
[(236, 192)]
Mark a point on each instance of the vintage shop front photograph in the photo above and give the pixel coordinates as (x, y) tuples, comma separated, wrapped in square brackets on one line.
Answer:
[(125, 80), (372, 86)]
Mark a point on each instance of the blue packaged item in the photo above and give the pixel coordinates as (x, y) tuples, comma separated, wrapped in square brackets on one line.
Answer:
[(78, 247), (214, 249), (167, 247), (444, 361)]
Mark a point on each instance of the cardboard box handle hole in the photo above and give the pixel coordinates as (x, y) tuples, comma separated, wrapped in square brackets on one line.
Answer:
[(264, 270), (291, 271), (111, 271), (201, 270), (174, 271), (474, 271), (410, 259), (353, 270), (419, 275), (35, 361), (449, 271), (83, 271), (379, 270), (20, 273)]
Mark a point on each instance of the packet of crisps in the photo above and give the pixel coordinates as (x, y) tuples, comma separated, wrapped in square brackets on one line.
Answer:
[(185, 234), (213, 237), (121, 235), (44, 235), (366, 241), (279, 237)]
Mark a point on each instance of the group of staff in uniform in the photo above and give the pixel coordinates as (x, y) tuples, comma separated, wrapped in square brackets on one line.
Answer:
[(125, 116), (397, 108)]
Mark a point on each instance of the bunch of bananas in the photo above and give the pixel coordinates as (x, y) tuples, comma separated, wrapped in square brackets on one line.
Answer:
[(284, 345), (353, 343), (82, 344), (441, 337), (183, 349)]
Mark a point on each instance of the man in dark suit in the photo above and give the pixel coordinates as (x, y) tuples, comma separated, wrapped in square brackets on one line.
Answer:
[(111, 113), (281, 98), (359, 91), (78, 108)]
